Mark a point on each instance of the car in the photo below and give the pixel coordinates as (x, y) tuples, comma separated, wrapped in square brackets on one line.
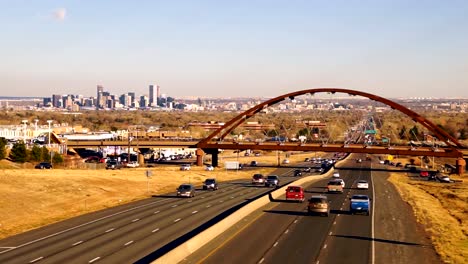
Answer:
[(285, 161), (319, 169), (258, 179), (341, 181), (94, 159), (186, 189), (306, 159), (358, 160), (359, 203), (209, 168), (295, 193), (113, 165), (297, 173), (362, 184), (272, 180), (307, 170), (133, 164), (334, 186), (424, 173), (210, 184), (381, 162), (185, 167), (43, 165), (444, 178), (336, 175), (319, 204), (253, 163)]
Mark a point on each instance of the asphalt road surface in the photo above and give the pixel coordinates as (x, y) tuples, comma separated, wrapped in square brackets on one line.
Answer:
[(283, 232), (139, 231)]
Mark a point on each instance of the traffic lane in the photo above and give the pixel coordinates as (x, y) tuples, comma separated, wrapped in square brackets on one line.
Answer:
[(276, 224), (399, 238), (349, 241), (62, 243), (305, 241)]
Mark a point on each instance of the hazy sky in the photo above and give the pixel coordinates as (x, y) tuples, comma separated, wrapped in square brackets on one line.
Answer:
[(234, 48)]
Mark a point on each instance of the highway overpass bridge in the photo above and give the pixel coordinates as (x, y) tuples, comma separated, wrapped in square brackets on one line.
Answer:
[(216, 140)]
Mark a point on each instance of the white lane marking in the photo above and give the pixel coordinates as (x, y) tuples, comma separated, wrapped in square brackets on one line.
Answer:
[(261, 261), (203, 197), (194, 212), (325, 246), (110, 230), (94, 259), (85, 224), (372, 223), (338, 215), (295, 221), (232, 197), (34, 260), (208, 206), (287, 231), (334, 223), (189, 201), (276, 243), (77, 243), (157, 212), (221, 201), (330, 233), (135, 220), (175, 205), (155, 230), (128, 243), (7, 247), (177, 220)]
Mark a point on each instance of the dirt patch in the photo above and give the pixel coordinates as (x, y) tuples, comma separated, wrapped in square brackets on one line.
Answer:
[(443, 210), (32, 198)]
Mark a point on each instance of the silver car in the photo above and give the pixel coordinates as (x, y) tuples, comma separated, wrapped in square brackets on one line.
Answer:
[(186, 190)]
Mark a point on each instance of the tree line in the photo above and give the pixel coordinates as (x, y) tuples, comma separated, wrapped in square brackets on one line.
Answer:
[(20, 153)]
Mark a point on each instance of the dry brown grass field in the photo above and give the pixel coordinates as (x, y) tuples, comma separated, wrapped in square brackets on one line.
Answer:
[(32, 198), (443, 210)]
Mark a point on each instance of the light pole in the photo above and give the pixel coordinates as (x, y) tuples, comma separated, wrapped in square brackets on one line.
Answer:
[(25, 122), (50, 122)]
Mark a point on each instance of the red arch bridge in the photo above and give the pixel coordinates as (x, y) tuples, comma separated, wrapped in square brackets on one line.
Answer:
[(216, 140)]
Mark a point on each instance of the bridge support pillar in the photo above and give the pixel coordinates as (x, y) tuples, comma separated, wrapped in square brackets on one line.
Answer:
[(214, 158), (461, 166), (200, 153)]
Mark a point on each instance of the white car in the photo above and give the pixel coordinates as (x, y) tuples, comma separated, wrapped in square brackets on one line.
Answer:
[(361, 184), (342, 182), (209, 168), (285, 161), (185, 167), (133, 164), (336, 175)]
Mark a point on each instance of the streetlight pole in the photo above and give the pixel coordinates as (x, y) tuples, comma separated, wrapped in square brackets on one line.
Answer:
[(50, 122), (25, 122)]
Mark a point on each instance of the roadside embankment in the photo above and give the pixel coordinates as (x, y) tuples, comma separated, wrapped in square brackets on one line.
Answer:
[(442, 208)]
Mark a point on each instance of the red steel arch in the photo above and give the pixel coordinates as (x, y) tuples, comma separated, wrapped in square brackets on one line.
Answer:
[(236, 121)]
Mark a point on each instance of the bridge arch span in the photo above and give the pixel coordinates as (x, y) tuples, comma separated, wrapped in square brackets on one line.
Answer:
[(239, 119)]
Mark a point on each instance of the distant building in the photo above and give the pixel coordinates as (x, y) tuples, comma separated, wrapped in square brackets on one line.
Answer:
[(151, 96), (99, 101)]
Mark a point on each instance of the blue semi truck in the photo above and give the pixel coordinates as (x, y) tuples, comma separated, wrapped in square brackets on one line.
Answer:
[(359, 203)]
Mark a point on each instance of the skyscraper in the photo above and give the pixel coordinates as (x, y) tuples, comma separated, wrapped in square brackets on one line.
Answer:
[(99, 101), (157, 95), (152, 96)]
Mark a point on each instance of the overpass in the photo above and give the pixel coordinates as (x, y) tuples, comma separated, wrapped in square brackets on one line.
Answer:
[(216, 140)]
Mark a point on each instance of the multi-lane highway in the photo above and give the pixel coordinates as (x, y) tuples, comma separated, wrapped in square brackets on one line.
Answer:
[(283, 232), (130, 233)]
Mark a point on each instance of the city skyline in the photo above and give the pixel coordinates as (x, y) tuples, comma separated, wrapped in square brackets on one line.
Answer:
[(208, 49)]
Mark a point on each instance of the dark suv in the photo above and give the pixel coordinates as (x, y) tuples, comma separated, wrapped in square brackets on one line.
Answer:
[(186, 189), (43, 165), (210, 184), (272, 180), (113, 164)]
